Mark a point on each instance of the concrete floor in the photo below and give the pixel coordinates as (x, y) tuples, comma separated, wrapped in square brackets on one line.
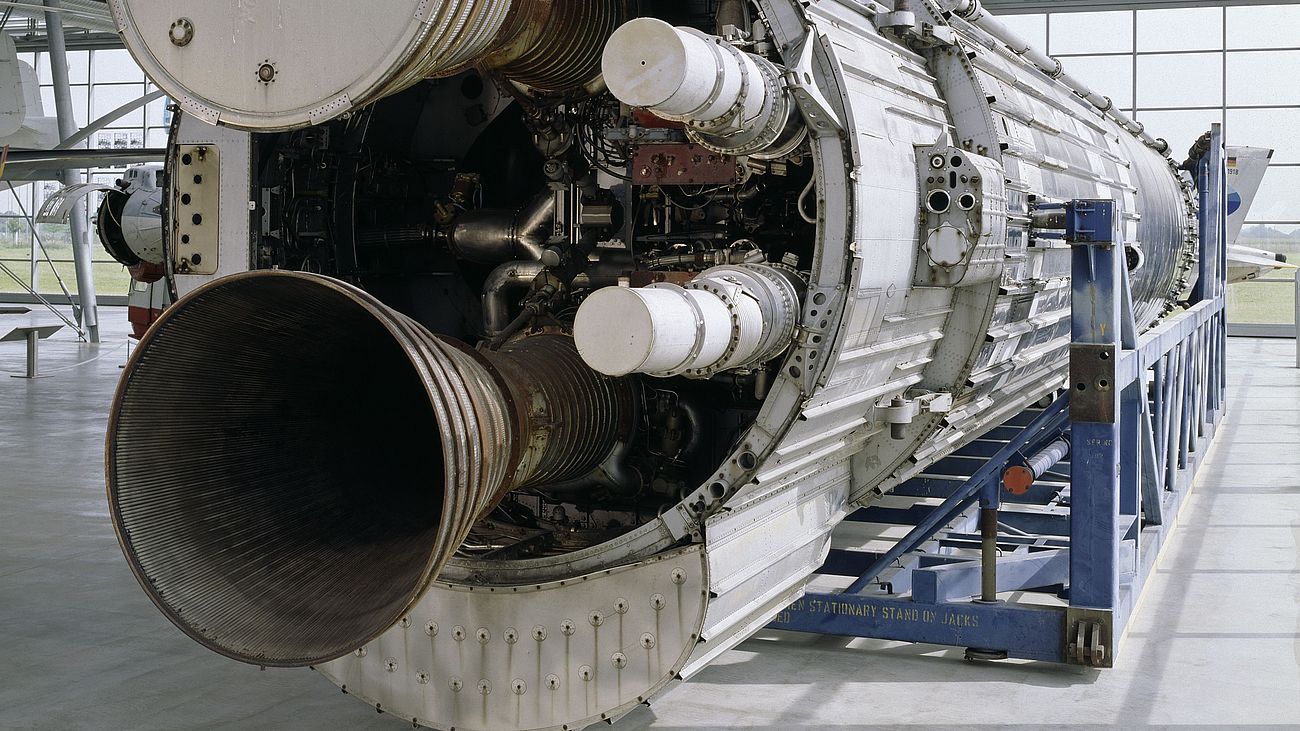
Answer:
[(1215, 642)]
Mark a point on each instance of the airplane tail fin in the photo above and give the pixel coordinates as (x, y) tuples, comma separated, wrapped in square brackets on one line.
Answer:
[(1246, 168)]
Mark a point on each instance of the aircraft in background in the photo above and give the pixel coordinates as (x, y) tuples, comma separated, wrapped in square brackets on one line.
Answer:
[(1246, 169), (35, 151), (130, 212)]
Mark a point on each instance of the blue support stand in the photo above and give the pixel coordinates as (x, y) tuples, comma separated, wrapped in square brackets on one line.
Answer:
[(1081, 532)]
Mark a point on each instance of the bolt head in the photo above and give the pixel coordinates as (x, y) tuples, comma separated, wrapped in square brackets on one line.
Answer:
[(181, 32)]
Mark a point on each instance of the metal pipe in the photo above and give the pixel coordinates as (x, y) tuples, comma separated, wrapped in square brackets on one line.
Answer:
[(33, 348), (1297, 318), (1018, 478), (496, 308), (493, 236), (730, 13), (604, 272), (89, 308), (616, 473), (290, 463), (988, 554)]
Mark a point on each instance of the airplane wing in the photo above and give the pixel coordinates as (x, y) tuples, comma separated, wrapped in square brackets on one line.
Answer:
[(1246, 263), (1246, 169), (59, 205), (31, 165)]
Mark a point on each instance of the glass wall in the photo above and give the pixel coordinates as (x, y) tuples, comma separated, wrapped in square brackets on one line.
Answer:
[(101, 81), (1178, 71)]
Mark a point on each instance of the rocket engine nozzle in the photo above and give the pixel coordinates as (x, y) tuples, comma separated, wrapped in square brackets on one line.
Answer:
[(289, 52), (290, 463)]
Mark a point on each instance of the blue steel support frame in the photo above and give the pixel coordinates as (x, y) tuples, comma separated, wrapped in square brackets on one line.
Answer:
[(1141, 410)]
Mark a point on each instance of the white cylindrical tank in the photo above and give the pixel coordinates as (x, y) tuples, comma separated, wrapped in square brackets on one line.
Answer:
[(728, 318), (656, 329), (682, 74), (732, 101)]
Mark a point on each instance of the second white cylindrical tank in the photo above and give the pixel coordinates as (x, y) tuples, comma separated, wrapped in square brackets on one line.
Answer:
[(728, 318)]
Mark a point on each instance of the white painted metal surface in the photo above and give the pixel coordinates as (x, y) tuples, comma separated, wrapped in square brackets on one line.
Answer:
[(288, 63), (653, 329), (560, 655), (226, 203), (727, 318), (682, 74), (732, 100)]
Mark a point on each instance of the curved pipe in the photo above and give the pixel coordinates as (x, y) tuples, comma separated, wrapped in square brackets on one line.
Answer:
[(696, 421), (517, 275), (492, 236), (496, 307)]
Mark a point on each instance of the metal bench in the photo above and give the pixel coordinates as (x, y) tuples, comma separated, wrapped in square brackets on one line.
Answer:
[(33, 334)]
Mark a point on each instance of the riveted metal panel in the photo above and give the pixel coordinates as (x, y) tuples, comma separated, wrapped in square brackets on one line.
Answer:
[(559, 655)]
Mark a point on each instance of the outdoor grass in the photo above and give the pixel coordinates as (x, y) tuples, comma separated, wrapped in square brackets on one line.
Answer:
[(1267, 301)]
